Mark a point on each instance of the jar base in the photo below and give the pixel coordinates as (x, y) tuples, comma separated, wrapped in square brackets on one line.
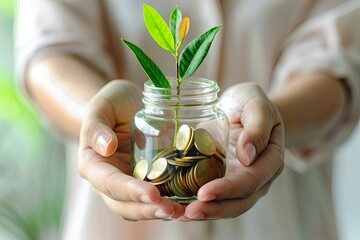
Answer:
[(183, 200)]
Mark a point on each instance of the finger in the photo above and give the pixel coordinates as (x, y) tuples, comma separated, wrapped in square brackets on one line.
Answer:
[(244, 181), (222, 209), (106, 175), (164, 209), (114, 105), (258, 119)]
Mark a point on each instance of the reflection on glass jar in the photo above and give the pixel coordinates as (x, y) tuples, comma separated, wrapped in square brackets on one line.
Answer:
[(180, 139)]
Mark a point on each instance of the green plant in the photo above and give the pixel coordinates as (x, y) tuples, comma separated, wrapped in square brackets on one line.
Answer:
[(170, 38)]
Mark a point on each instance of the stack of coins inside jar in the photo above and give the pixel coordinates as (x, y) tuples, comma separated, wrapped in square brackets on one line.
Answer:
[(196, 159)]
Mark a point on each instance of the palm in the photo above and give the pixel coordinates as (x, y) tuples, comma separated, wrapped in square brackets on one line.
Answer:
[(253, 120)]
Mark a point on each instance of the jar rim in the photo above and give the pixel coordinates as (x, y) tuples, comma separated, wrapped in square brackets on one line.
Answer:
[(193, 92), (193, 83)]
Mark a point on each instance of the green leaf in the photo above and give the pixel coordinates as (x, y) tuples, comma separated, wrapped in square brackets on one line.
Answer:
[(174, 22), (149, 67), (195, 52), (158, 29)]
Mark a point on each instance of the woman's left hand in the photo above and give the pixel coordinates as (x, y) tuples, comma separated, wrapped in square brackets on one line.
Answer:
[(256, 156)]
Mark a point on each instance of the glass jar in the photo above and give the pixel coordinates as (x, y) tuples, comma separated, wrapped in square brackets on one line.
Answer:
[(179, 139)]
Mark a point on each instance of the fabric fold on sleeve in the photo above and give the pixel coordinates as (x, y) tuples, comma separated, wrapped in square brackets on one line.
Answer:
[(329, 44), (60, 27)]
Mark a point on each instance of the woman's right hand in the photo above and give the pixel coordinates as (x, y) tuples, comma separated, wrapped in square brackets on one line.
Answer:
[(104, 156)]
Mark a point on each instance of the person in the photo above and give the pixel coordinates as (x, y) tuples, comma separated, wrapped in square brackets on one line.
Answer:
[(290, 80)]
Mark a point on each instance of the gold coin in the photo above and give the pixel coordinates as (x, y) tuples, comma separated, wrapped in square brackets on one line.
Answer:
[(141, 169), (184, 183), (177, 187), (204, 142), (190, 144), (221, 163), (219, 157), (174, 186), (167, 176), (174, 162), (205, 171), (191, 181), (160, 188), (191, 158), (159, 167), (183, 137), (172, 155), (164, 152), (165, 189), (220, 150)]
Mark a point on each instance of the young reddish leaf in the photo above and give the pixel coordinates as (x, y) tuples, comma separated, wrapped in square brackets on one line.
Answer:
[(149, 67), (184, 29), (158, 29)]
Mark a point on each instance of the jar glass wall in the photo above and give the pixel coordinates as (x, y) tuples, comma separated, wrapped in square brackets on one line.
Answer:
[(179, 139)]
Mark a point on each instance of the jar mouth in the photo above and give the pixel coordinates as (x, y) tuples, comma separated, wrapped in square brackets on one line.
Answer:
[(189, 87), (193, 92)]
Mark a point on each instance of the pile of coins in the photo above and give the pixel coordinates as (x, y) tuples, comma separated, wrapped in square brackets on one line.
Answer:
[(180, 170)]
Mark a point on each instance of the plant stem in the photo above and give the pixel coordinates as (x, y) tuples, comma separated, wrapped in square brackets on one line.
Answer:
[(178, 95)]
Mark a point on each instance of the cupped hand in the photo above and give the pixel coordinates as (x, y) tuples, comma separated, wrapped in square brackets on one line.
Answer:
[(256, 156), (104, 156)]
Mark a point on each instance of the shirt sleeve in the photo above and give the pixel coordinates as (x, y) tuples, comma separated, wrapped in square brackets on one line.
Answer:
[(328, 43), (74, 27)]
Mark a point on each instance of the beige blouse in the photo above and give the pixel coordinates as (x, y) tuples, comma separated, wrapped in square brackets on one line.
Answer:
[(264, 41)]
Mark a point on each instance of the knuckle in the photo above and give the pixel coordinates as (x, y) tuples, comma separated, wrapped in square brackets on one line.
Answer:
[(265, 189), (87, 134), (253, 183), (81, 169), (120, 209), (108, 185), (241, 208), (82, 166), (128, 189), (228, 184), (263, 136), (279, 152), (218, 209), (149, 215), (277, 173)]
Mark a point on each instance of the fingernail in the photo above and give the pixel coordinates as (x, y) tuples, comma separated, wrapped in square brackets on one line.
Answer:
[(208, 198), (183, 219), (198, 216), (250, 152), (102, 142), (145, 199), (160, 214)]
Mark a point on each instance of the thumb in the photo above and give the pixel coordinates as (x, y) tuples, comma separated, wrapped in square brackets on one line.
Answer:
[(100, 137), (258, 123), (113, 105)]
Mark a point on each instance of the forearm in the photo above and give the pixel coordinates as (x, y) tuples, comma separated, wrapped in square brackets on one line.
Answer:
[(62, 86), (310, 105)]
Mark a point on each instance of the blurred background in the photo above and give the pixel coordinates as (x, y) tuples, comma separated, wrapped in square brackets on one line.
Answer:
[(32, 167)]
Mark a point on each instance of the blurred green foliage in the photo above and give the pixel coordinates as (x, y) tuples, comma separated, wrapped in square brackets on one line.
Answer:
[(32, 166), (14, 109), (7, 7)]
